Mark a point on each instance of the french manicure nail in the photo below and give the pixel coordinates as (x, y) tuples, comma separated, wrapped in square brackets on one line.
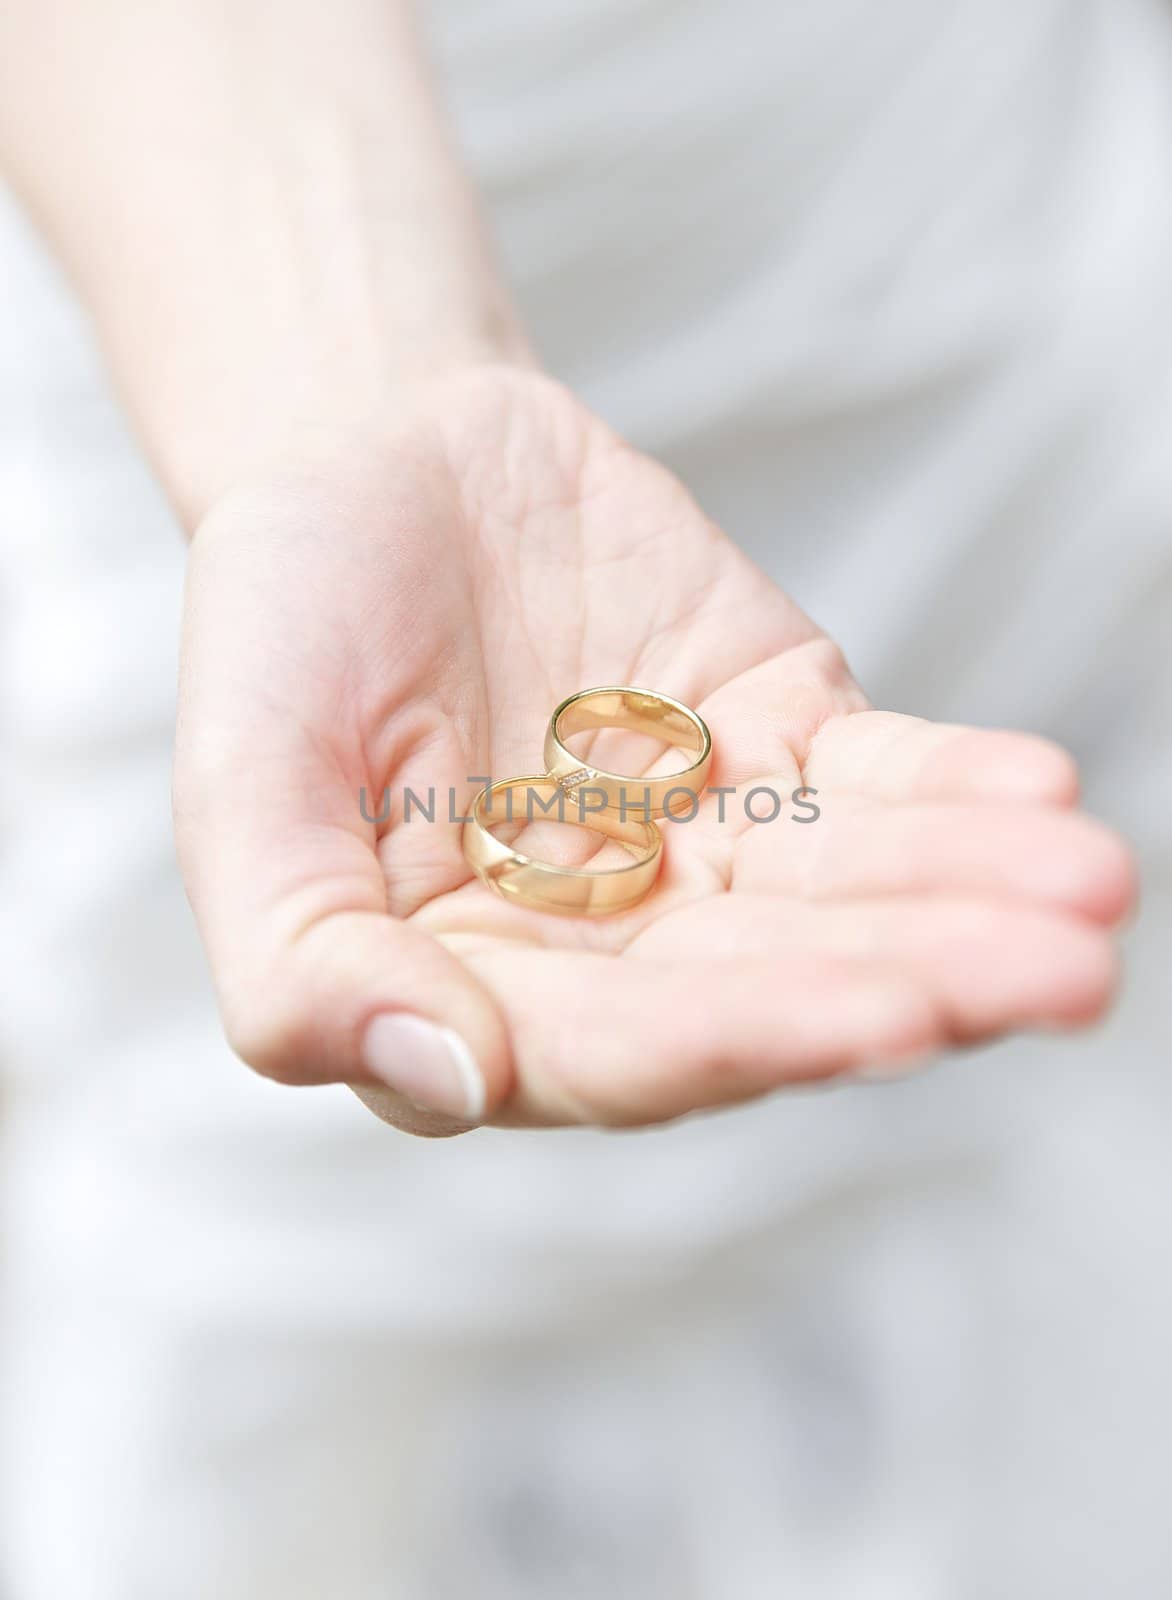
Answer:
[(429, 1064)]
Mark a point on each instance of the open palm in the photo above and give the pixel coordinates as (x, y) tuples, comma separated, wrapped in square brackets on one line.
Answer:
[(404, 613)]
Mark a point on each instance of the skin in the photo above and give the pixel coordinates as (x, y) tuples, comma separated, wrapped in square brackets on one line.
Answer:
[(408, 543), (948, 892)]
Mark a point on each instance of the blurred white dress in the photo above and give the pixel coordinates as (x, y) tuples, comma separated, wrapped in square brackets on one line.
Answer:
[(891, 288)]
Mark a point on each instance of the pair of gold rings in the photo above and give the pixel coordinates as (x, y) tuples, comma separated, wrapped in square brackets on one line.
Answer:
[(619, 807)]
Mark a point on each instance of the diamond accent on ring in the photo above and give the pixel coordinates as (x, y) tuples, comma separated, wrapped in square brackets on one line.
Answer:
[(572, 780)]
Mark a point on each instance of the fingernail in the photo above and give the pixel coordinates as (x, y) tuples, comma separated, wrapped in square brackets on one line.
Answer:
[(429, 1064)]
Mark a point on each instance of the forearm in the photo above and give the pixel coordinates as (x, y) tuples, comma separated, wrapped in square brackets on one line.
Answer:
[(261, 207)]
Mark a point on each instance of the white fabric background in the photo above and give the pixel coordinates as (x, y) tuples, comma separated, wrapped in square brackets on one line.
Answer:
[(892, 289)]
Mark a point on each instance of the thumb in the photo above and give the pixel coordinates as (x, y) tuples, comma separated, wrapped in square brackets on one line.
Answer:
[(360, 998), (316, 981)]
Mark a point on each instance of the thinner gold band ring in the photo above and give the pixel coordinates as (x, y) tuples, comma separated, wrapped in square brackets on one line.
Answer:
[(636, 711), (567, 891)]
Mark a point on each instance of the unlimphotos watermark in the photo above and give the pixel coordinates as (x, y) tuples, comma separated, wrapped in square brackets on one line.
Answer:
[(761, 803)]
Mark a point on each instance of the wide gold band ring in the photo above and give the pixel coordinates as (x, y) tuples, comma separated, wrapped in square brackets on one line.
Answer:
[(636, 711), (568, 891)]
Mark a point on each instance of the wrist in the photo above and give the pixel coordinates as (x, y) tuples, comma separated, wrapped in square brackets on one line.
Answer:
[(204, 438), (266, 213)]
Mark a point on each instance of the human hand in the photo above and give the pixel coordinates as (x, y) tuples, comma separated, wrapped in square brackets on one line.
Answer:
[(405, 611)]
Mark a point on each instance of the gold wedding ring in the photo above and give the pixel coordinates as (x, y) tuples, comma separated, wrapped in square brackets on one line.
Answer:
[(635, 711), (621, 808), (568, 891)]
